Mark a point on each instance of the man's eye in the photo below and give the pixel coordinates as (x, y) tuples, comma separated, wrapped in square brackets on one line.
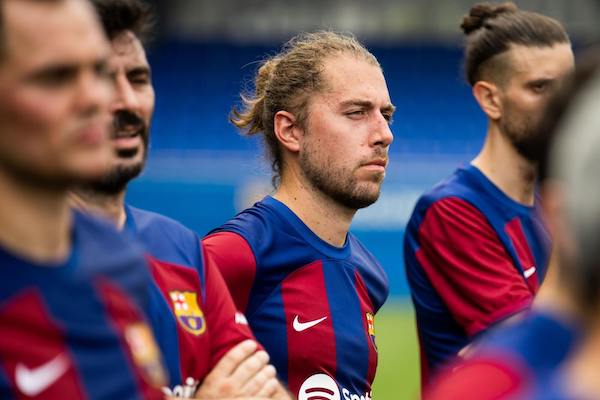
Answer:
[(56, 76), (139, 81), (540, 87), (356, 113)]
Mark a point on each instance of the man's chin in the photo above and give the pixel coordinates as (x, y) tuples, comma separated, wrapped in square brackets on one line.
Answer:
[(129, 158), (116, 180), (361, 197)]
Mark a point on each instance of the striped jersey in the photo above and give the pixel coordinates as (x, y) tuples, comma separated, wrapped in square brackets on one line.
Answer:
[(473, 257), (310, 304), (192, 313), (74, 330)]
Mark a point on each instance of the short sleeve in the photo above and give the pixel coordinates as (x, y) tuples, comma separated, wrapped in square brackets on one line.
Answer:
[(232, 255), (468, 265), (227, 326)]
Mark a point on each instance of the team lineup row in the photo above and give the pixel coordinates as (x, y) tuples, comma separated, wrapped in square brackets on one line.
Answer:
[(102, 300)]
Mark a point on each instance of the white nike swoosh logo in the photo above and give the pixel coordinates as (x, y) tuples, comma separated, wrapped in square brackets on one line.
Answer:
[(302, 326), (528, 272), (34, 381), (240, 319)]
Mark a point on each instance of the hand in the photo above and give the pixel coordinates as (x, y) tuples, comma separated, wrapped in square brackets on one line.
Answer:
[(241, 373), (281, 393)]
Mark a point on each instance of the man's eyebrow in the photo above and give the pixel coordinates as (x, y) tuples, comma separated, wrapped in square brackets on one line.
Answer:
[(540, 81), (389, 108), (356, 102), (366, 104)]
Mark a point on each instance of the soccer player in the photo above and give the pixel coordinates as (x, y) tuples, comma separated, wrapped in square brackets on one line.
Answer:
[(476, 248), (71, 287), (308, 287), (192, 313), (517, 360)]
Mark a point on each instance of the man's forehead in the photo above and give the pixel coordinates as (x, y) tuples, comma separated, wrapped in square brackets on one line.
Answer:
[(350, 77), (127, 45), (51, 31), (547, 61)]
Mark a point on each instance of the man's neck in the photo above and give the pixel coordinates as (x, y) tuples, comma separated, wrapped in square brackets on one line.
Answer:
[(500, 162), (327, 219), (35, 222), (111, 206)]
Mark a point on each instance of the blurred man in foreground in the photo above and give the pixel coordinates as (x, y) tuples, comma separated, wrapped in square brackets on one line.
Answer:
[(71, 287)]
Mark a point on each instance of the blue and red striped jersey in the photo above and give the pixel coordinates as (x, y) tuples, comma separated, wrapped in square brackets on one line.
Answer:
[(192, 312), (510, 362), (310, 304), (75, 330), (473, 257)]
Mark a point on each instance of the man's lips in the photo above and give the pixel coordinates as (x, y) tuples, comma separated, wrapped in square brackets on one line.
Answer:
[(376, 165), (127, 139), (127, 132)]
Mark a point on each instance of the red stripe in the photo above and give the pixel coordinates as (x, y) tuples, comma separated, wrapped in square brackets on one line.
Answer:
[(366, 306), (125, 316), (514, 229), (30, 338), (468, 266), (194, 350), (312, 350)]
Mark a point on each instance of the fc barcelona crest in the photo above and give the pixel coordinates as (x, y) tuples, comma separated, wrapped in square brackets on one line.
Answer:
[(371, 327), (187, 311), (145, 352)]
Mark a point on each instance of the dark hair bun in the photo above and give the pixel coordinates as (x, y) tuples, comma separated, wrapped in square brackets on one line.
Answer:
[(481, 12)]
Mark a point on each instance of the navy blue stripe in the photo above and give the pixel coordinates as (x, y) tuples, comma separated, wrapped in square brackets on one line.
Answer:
[(539, 243), (164, 327), (96, 349), (352, 348), (5, 391), (268, 323)]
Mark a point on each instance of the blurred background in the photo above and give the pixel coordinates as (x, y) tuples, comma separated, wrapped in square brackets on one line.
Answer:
[(202, 172)]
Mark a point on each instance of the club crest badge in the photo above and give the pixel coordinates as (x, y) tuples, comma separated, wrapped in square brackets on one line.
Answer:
[(145, 353), (187, 311), (371, 327)]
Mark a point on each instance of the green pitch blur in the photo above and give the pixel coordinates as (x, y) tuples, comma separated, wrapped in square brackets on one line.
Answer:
[(398, 370)]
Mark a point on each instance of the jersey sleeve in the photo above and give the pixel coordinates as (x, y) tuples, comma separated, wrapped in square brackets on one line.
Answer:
[(468, 265), (232, 255), (228, 327)]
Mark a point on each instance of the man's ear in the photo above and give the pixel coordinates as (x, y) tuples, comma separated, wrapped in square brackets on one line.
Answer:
[(487, 95), (287, 131)]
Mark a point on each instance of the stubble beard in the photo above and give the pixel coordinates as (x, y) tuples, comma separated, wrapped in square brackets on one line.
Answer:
[(39, 180), (520, 129), (118, 177), (115, 181), (339, 184)]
